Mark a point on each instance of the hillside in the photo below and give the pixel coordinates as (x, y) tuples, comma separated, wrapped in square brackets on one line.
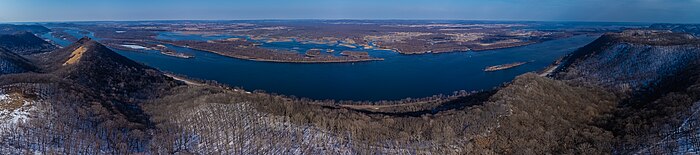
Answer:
[(84, 93), (12, 29), (680, 28), (631, 61), (501, 124), (656, 75), (91, 64), (12, 63), (25, 43)]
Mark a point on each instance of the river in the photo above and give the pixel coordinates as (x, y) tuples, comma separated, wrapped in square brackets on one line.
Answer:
[(397, 77)]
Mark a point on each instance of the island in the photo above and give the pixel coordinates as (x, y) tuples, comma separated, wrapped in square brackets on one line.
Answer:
[(313, 52), (356, 54), (503, 66), (176, 54)]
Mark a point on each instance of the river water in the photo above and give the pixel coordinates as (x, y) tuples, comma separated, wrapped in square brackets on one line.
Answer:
[(398, 76)]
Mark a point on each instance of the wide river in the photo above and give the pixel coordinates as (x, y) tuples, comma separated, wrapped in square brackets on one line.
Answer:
[(397, 77)]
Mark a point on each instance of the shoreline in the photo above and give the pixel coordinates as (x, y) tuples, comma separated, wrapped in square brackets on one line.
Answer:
[(369, 105), (480, 49), (473, 50)]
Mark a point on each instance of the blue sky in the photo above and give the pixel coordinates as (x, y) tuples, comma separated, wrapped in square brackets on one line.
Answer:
[(676, 11)]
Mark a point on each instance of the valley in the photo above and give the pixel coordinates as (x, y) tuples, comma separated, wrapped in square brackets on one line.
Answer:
[(350, 78), (615, 93), (360, 77)]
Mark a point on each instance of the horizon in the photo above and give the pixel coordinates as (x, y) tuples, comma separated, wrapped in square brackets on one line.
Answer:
[(635, 11), (310, 19)]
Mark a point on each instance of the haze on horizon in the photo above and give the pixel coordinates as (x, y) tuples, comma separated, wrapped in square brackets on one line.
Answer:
[(671, 11)]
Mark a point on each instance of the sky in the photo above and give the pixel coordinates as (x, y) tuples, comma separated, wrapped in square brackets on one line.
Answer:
[(668, 11)]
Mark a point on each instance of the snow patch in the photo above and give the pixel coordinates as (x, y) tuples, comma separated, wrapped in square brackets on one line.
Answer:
[(17, 115), (9, 118), (4, 97)]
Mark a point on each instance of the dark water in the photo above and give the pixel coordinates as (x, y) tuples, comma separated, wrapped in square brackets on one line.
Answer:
[(397, 77), (55, 40)]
